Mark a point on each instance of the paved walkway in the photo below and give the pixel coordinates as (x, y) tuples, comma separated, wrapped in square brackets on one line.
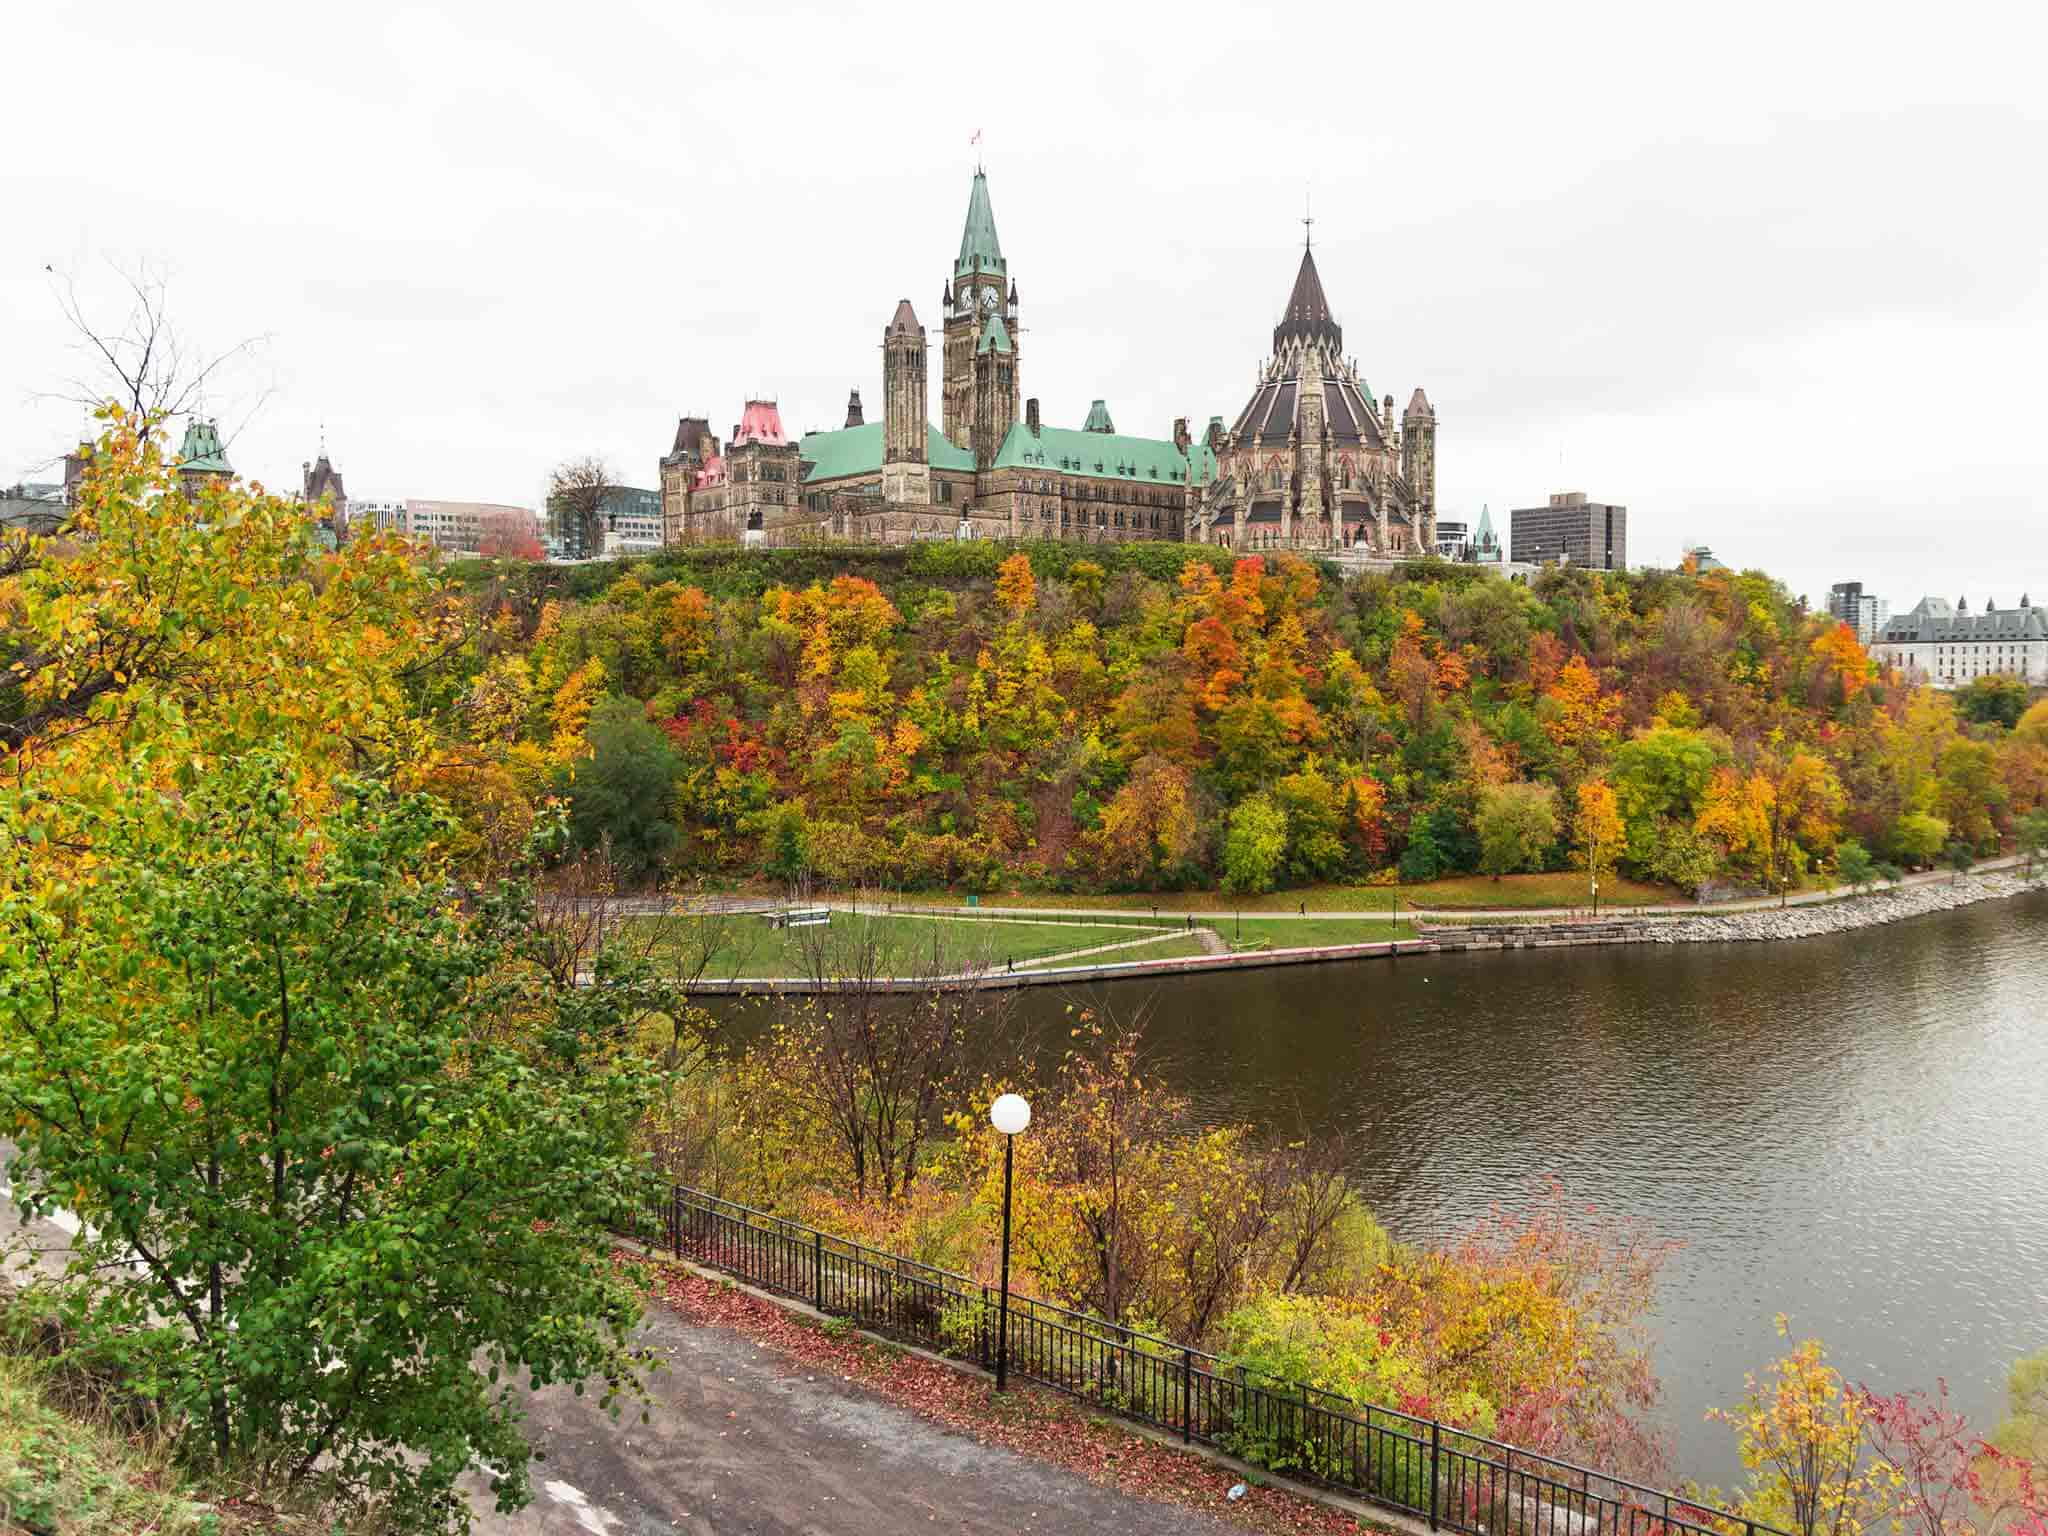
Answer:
[(743, 1440)]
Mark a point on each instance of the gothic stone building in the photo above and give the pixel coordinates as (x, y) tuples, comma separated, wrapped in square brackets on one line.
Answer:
[(1308, 465), (1311, 464)]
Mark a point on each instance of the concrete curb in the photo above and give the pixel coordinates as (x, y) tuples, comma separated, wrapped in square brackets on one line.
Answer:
[(1358, 1509)]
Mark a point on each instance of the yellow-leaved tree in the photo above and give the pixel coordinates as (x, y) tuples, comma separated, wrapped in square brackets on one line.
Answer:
[(1801, 1432), (167, 631)]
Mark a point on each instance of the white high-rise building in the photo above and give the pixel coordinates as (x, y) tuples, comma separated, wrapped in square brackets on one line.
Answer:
[(1865, 614)]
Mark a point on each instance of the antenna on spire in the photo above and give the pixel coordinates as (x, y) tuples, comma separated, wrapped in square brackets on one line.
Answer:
[(975, 144), (1307, 222)]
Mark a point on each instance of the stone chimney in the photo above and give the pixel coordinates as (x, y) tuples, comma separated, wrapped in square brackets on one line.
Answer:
[(1181, 441), (1031, 415)]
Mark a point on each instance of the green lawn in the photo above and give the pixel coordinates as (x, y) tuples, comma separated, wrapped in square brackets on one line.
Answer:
[(1309, 932), (748, 946)]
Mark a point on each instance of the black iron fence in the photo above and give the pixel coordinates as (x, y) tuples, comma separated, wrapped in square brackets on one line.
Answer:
[(1456, 1480)]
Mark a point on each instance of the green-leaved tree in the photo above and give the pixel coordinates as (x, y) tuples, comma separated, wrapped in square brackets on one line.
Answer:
[(341, 1155), (1254, 846), (1517, 826)]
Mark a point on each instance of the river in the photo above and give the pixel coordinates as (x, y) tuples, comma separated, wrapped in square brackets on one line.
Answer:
[(1851, 1130)]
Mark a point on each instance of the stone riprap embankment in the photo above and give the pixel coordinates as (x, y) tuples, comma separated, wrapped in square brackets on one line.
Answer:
[(1792, 922)]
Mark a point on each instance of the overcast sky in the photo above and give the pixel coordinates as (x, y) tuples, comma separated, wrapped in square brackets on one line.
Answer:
[(1771, 275)]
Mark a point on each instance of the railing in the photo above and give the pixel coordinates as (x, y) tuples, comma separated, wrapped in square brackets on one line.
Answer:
[(1456, 1480)]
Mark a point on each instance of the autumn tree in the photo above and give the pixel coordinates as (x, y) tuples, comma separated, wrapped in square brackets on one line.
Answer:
[(868, 1070), (193, 627), (1016, 587), (1147, 831), (1842, 657), (1596, 830), (1939, 1478), (1580, 716), (1800, 1433)]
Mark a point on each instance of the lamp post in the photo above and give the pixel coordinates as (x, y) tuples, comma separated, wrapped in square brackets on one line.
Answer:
[(1009, 1114)]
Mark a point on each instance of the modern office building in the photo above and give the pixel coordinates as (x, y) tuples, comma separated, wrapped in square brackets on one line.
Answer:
[(632, 522), (1571, 530), (473, 527), (1865, 614), (375, 516)]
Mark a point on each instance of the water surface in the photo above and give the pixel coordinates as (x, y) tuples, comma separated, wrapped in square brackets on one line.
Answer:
[(1852, 1130)]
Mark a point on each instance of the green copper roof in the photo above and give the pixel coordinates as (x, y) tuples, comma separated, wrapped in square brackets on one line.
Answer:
[(1098, 419), (980, 250), (858, 451), (201, 452), (995, 336), (1103, 455)]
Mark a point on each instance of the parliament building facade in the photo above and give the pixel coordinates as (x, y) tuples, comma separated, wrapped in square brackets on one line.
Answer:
[(1311, 462)]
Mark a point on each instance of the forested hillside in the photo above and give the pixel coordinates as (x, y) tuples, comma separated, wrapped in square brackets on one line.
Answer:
[(1157, 717)]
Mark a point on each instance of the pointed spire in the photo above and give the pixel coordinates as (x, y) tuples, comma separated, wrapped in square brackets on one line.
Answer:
[(1098, 419), (1307, 317), (1418, 404), (854, 415), (904, 321), (980, 251)]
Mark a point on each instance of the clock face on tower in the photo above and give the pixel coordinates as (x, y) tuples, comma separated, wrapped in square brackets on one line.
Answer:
[(988, 300)]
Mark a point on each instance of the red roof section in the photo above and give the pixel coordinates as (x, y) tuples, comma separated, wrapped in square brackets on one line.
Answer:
[(761, 423), (713, 472)]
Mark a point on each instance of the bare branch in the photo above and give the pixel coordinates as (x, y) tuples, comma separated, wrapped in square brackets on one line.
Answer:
[(143, 364)]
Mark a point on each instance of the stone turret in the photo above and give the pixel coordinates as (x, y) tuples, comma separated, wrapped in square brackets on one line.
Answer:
[(202, 460), (906, 472), (854, 416), (1418, 464)]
